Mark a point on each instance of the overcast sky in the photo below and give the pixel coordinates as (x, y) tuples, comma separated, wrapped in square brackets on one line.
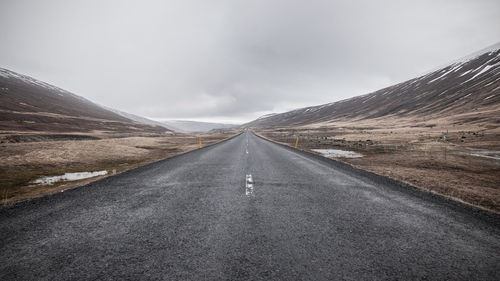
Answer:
[(234, 60)]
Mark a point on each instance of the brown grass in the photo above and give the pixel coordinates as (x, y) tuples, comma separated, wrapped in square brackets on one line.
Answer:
[(434, 158), (22, 162)]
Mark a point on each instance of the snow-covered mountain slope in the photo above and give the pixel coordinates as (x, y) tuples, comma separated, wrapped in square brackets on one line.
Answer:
[(182, 126), (467, 85), (27, 104)]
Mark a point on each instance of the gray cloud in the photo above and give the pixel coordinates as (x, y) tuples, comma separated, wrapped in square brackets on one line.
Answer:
[(235, 60)]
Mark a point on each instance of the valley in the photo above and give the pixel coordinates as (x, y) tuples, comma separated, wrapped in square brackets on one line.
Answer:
[(48, 131)]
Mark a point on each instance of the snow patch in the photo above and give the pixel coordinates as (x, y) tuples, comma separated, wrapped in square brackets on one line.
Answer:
[(491, 154), (452, 69), (69, 177), (486, 68)]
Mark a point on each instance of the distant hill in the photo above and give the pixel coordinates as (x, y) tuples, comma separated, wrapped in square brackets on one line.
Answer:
[(470, 85), (27, 104), (143, 120), (183, 126), (194, 126)]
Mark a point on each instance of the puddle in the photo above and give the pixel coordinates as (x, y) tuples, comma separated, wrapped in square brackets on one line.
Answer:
[(491, 154), (338, 153), (69, 177)]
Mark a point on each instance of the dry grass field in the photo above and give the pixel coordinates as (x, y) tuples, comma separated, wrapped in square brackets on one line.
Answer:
[(26, 157), (460, 162)]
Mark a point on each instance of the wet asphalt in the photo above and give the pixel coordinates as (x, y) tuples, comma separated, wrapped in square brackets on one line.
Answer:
[(191, 217)]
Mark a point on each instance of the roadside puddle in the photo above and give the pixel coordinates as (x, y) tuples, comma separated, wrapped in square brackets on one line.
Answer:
[(69, 177), (337, 153), (491, 154)]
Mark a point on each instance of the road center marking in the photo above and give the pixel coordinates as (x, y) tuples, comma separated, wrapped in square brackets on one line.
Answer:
[(249, 186)]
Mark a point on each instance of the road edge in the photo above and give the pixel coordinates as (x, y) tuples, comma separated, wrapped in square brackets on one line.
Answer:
[(86, 182), (487, 215)]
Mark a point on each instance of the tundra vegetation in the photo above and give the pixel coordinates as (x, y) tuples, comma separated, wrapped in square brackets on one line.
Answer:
[(29, 156), (459, 162)]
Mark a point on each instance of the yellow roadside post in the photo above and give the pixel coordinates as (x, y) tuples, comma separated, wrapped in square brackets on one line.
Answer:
[(200, 142), (297, 142)]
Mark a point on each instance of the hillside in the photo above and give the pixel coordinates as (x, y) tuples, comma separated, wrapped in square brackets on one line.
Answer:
[(468, 89), (439, 132), (27, 104)]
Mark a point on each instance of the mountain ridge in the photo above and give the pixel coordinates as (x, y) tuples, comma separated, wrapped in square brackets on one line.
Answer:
[(448, 90), (28, 104)]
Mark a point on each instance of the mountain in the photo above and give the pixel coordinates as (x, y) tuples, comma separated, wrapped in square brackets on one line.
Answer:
[(27, 104), (467, 90), (143, 120), (194, 126)]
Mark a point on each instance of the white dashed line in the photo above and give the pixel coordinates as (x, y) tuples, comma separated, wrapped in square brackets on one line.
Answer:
[(249, 186)]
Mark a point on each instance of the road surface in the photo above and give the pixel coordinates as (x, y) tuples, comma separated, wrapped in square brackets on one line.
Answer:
[(246, 209)]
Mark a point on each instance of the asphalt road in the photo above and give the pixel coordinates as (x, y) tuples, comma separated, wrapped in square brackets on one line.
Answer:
[(198, 216)]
